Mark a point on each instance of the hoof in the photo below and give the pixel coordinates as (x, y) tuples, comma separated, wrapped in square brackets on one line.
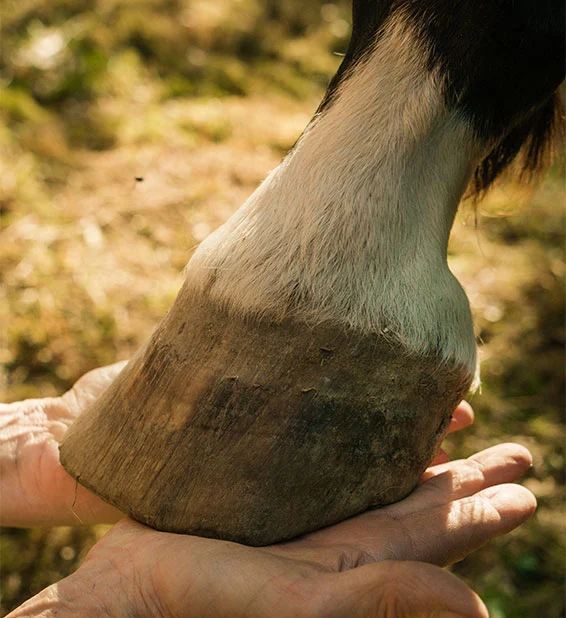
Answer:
[(257, 432)]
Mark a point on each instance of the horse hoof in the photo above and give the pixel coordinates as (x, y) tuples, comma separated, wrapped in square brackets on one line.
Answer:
[(257, 432)]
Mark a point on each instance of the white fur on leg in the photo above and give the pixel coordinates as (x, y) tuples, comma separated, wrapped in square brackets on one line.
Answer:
[(353, 226)]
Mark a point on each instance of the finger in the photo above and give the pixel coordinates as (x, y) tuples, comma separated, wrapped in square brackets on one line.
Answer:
[(462, 417), (503, 463), (449, 533), (102, 376), (377, 533), (441, 535), (440, 458), (403, 590), (89, 387)]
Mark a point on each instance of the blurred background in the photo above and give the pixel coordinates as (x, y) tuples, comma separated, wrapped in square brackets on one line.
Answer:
[(130, 129)]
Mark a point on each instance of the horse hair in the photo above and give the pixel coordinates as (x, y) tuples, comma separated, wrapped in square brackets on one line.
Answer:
[(528, 150)]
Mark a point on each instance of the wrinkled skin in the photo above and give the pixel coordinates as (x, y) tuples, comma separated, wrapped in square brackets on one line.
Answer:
[(380, 564)]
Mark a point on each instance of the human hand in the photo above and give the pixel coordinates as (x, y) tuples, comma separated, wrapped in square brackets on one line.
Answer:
[(36, 489), (363, 567), (355, 568)]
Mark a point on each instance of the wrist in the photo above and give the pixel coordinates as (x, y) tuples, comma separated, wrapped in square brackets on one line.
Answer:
[(69, 598), (100, 588)]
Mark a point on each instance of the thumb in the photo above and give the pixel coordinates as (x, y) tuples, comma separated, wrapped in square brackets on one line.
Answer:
[(393, 589), (90, 386)]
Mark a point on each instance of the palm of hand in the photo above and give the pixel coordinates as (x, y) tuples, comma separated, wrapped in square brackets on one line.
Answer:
[(36, 490), (362, 567)]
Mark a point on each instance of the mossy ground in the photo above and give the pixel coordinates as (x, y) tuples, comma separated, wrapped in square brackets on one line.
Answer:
[(130, 130)]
